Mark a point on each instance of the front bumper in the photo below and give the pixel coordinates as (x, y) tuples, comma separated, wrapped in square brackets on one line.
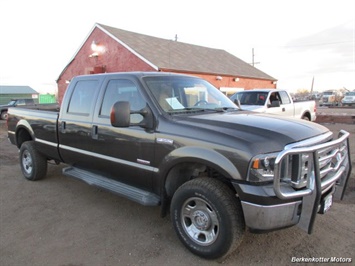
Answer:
[(271, 217), (348, 102), (280, 205)]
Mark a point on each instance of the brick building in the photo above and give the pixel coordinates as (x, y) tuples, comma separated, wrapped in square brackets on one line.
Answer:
[(108, 49)]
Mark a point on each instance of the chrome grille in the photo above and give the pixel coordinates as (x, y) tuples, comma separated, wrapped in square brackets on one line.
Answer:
[(300, 164), (330, 160)]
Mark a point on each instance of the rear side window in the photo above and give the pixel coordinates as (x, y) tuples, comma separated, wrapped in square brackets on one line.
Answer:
[(20, 102), (82, 97), (284, 97)]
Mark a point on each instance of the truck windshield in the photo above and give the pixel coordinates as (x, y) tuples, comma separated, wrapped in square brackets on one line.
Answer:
[(176, 94), (250, 97)]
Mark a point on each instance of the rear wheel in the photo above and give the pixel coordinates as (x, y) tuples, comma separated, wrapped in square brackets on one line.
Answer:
[(207, 217), (33, 164)]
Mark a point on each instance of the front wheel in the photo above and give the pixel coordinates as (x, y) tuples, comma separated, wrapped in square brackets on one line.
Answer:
[(4, 115), (33, 164), (207, 217)]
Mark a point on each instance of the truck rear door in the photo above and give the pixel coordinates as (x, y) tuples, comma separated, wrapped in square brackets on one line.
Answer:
[(74, 129)]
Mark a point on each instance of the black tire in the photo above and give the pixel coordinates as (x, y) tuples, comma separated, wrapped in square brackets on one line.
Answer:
[(4, 115), (207, 217), (33, 164), (305, 118)]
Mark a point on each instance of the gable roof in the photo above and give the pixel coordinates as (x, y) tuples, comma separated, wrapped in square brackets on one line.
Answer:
[(9, 89), (172, 55)]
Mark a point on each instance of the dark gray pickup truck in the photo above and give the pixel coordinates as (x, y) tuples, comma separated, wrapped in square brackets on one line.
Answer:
[(14, 103), (26, 103), (178, 142)]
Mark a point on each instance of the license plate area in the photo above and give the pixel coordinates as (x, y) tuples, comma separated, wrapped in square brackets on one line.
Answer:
[(326, 203)]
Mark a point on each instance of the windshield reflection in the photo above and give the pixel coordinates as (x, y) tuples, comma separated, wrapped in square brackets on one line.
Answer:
[(176, 94)]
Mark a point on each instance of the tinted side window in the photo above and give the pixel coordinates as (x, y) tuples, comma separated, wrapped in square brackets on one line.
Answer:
[(284, 97), (121, 90), (82, 97), (20, 102), (29, 101)]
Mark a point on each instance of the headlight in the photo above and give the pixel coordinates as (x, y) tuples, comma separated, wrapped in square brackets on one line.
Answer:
[(301, 169), (262, 168), (293, 169)]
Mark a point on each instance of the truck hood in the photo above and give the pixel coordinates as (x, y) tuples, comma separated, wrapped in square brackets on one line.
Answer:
[(249, 131), (255, 108)]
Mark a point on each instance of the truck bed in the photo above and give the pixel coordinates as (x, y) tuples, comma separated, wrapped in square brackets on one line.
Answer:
[(44, 126)]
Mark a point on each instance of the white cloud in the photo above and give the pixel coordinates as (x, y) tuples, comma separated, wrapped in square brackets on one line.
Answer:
[(293, 40)]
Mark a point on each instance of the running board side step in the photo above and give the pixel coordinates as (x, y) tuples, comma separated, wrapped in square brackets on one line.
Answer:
[(132, 193)]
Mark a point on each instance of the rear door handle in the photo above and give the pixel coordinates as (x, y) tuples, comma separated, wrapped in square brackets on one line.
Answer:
[(63, 127), (95, 132)]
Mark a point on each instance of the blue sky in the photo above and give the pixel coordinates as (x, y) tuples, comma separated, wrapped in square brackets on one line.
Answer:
[(293, 41)]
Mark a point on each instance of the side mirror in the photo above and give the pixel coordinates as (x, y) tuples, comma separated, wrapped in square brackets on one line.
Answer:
[(274, 104), (120, 116), (237, 103)]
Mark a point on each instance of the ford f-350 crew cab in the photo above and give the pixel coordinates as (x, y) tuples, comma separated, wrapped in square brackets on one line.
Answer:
[(274, 101), (178, 142)]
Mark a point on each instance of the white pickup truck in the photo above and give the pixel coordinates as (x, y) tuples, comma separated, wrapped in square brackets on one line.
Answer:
[(273, 101)]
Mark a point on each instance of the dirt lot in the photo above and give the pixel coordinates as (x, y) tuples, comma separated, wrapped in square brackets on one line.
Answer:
[(61, 221)]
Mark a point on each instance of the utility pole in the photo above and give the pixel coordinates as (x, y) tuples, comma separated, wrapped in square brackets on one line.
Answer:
[(252, 58)]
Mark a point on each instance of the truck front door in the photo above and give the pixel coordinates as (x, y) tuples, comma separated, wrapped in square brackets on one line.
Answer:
[(286, 107), (123, 154)]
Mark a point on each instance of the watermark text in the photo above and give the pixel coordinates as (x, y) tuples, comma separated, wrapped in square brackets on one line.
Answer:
[(321, 260)]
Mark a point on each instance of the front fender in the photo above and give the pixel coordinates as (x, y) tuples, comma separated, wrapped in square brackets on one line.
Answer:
[(200, 155)]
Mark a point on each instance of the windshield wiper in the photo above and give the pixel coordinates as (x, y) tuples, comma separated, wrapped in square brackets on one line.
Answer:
[(225, 109), (198, 109), (187, 110)]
